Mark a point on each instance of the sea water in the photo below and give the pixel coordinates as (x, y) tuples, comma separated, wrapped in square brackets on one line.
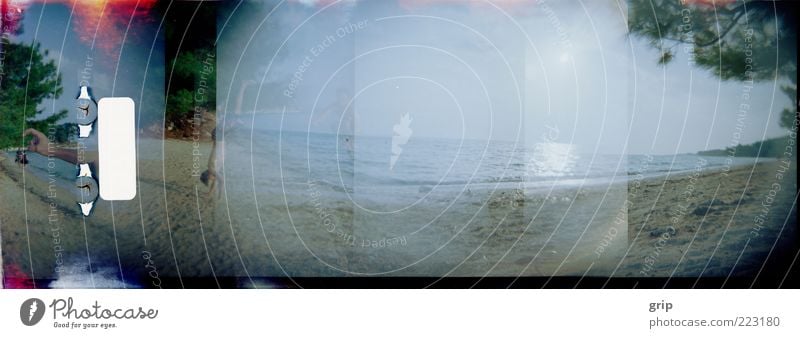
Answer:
[(286, 159)]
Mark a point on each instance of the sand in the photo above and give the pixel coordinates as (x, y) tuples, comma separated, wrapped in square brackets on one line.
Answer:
[(713, 224), (639, 228)]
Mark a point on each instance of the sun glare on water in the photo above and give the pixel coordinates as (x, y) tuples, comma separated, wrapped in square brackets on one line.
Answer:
[(552, 159)]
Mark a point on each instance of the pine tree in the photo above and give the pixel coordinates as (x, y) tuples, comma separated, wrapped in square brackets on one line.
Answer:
[(28, 79)]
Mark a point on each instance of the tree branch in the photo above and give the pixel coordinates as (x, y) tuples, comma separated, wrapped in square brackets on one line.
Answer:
[(733, 23)]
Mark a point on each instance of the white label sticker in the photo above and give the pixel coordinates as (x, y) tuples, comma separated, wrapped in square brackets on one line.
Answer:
[(116, 143)]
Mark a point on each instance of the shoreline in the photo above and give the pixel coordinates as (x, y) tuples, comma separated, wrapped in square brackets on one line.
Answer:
[(537, 186), (478, 230)]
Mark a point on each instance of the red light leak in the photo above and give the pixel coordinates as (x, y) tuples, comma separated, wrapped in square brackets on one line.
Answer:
[(99, 23)]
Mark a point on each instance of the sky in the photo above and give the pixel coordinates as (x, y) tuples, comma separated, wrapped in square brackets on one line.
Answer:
[(520, 71), (513, 71), (107, 46)]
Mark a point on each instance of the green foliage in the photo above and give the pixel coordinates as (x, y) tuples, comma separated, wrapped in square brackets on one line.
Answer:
[(774, 147), (193, 84), (29, 78), (179, 105), (46, 125), (789, 115), (65, 133), (191, 60), (742, 40)]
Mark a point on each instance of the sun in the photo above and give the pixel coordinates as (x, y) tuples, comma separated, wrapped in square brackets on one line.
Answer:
[(565, 57)]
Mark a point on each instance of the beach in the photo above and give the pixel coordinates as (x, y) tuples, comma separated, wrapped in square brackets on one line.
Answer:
[(714, 224), (268, 223)]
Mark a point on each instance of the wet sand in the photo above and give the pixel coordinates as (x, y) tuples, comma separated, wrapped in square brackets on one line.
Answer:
[(173, 229)]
